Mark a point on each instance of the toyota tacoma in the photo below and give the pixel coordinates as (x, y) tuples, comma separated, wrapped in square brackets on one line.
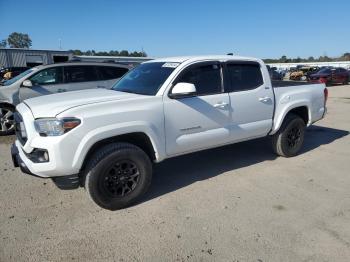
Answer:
[(108, 140)]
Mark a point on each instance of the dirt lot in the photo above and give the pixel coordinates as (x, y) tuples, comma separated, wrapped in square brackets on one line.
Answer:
[(237, 203)]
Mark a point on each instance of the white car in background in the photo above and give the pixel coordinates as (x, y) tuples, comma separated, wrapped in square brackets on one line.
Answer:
[(51, 79)]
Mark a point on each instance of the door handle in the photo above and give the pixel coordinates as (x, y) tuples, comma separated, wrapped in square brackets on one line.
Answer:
[(61, 90), (101, 87), (221, 105), (264, 99)]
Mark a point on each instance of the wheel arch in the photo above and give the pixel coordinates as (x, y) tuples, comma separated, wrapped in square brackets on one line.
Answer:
[(302, 110), (139, 139), (3, 103)]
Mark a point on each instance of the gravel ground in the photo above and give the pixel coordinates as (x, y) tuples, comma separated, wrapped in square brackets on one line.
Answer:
[(236, 203)]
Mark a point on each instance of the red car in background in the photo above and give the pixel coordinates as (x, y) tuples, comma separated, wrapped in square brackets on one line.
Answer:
[(331, 75)]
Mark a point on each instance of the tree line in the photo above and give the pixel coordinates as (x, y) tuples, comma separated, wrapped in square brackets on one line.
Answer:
[(285, 59), (20, 40), (110, 53)]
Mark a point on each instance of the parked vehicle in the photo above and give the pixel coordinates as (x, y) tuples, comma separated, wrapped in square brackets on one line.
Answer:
[(301, 73), (106, 140), (331, 76), (274, 74), (50, 79), (11, 71), (313, 70)]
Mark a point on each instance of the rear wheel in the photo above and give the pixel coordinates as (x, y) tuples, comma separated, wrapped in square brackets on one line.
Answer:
[(7, 121), (289, 139), (117, 175)]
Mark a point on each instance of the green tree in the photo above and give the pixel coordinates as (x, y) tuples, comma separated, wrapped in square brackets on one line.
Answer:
[(76, 52), (19, 40), (113, 53), (325, 59), (3, 43), (284, 59), (345, 57), (124, 53)]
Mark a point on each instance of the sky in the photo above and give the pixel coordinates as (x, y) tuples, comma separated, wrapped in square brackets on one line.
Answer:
[(259, 28)]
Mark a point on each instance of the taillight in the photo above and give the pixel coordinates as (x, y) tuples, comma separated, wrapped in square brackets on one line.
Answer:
[(325, 93)]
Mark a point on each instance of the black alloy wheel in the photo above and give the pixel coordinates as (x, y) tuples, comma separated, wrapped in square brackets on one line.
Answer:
[(120, 179)]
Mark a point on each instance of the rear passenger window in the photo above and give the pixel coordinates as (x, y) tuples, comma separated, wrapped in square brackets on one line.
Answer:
[(75, 74), (206, 78), (109, 72), (242, 77)]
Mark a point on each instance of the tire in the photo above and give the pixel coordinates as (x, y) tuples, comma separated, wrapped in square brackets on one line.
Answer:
[(117, 175), (289, 139), (7, 121)]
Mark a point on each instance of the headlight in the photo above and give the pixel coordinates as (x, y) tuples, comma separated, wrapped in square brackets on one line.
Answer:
[(55, 127)]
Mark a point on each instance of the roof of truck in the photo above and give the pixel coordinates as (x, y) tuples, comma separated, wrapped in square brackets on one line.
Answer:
[(181, 59)]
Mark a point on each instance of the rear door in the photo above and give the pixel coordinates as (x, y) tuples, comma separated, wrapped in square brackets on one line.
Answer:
[(79, 77), (200, 121), (109, 75), (45, 82), (251, 100)]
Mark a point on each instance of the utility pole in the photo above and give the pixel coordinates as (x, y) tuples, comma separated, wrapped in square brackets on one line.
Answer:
[(60, 43)]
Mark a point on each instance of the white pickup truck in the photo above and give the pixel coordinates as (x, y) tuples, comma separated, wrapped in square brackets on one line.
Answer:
[(106, 140)]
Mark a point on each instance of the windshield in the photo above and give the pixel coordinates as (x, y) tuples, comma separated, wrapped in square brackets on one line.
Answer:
[(145, 79), (12, 80)]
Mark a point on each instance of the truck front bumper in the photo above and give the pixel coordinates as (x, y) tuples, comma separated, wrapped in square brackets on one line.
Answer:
[(17, 160), (62, 182)]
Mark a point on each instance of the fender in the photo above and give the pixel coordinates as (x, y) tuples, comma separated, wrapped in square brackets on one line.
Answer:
[(105, 132), (284, 108)]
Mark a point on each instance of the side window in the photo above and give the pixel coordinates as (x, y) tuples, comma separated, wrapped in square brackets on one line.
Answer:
[(206, 78), (110, 72), (76, 74), (49, 76), (243, 77)]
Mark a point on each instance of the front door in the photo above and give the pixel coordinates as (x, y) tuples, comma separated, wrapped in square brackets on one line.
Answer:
[(200, 121), (45, 82)]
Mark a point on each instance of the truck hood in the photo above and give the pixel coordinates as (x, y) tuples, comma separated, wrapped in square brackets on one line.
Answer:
[(52, 105)]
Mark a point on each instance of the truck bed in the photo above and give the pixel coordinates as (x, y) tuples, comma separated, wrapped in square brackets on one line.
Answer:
[(281, 83)]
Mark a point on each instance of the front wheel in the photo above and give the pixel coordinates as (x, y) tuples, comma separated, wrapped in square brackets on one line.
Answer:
[(117, 175), (7, 121), (289, 139)]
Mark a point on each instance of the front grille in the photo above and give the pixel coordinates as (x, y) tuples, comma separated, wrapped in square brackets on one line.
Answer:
[(20, 128)]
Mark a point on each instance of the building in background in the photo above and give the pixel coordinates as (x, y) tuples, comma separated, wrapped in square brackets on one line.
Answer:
[(18, 57)]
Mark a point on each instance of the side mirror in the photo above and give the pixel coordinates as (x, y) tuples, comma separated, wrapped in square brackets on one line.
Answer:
[(27, 83), (181, 90)]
